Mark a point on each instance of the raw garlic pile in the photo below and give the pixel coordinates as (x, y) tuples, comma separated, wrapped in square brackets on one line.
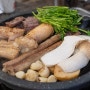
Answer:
[(37, 72)]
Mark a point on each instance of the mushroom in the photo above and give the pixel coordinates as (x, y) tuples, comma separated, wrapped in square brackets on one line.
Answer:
[(64, 51), (62, 76), (79, 60)]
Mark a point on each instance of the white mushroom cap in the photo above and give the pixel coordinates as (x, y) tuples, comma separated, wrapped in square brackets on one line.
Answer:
[(84, 46)]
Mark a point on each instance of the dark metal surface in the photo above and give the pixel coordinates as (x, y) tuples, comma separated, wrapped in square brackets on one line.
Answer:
[(82, 12), (12, 82)]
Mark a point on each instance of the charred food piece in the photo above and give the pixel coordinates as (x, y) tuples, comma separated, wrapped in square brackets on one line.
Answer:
[(8, 50), (10, 33), (41, 47), (30, 23), (26, 44), (15, 21), (25, 63)]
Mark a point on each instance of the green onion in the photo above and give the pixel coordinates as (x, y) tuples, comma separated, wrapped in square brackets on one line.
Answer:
[(61, 18)]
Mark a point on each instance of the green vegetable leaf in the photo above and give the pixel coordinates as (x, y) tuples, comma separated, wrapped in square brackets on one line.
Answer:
[(85, 31), (61, 18)]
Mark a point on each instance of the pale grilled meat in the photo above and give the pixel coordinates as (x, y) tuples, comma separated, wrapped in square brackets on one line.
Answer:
[(10, 33), (15, 21), (8, 50)]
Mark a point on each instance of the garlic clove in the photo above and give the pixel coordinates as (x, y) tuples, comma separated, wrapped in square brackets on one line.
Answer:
[(42, 79), (20, 74), (51, 78), (31, 75), (36, 66), (44, 72)]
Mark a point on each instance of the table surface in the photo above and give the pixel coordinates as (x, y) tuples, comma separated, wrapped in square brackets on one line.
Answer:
[(30, 5), (25, 7)]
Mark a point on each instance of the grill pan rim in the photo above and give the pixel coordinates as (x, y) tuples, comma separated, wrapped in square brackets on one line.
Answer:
[(18, 84)]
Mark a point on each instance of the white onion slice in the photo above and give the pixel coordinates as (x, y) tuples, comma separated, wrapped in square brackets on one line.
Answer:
[(62, 52), (74, 63)]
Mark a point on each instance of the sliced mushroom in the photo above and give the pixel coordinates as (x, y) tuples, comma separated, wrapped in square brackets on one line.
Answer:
[(62, 52), (84, 46), (79, 60), (62, 76), (85, 37), (74, 63)]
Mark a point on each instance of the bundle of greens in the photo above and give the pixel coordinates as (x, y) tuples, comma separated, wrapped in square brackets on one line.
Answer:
[(61, 18)]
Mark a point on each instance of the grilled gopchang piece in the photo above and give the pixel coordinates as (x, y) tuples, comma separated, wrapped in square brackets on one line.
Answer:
[(8, 50), (10, 33), (41, 32), (25, 43), (34, 37), (15, 21), (42, 46), (25, 63), (29, 23)]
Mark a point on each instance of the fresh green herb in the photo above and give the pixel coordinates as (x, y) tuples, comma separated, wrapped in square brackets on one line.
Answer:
[(85, 31), (62, 19)]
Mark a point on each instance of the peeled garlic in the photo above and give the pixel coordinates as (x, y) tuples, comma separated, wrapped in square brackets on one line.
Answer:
[(42, 79), (44, 72), (20, 74), (51, 78), (31, 75), (36, 66)]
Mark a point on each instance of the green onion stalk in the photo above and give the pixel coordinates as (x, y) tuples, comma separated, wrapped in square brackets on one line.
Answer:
[(63, 19)]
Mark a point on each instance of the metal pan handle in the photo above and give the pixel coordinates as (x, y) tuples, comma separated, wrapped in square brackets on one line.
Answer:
[(82, 11)]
